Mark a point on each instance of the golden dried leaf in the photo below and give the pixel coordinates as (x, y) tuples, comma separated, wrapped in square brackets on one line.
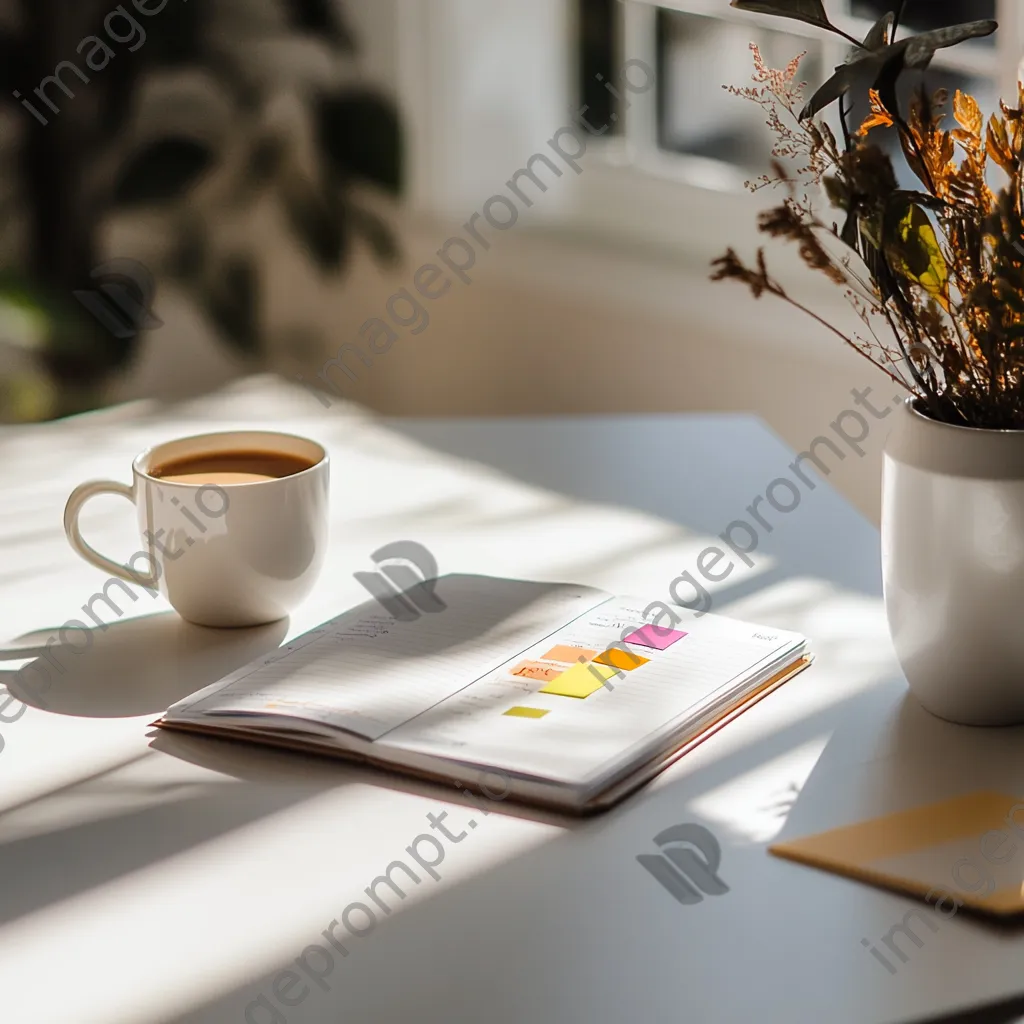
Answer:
[(913, 161), (968, 113), (998, 144), (968, 185), (946, 151), (1012, 117), (879, 116), (929, 151)]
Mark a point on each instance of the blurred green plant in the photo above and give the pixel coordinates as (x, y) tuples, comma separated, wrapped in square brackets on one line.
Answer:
[(225, 107)]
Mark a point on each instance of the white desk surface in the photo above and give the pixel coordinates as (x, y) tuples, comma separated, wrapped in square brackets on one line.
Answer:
[(156, 878)]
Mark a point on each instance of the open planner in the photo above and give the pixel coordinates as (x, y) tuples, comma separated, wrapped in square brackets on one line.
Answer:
[(566, 693)]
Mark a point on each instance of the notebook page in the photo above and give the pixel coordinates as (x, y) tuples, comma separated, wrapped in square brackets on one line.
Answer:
[(505, 719), (366, 673)]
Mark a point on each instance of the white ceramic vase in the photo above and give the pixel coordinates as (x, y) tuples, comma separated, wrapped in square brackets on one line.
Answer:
[(953, 566)]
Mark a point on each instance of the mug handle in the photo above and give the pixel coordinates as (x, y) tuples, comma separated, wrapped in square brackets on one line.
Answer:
[(79, 496)]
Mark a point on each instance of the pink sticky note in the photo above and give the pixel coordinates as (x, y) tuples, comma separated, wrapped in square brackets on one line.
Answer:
[(657, 637)]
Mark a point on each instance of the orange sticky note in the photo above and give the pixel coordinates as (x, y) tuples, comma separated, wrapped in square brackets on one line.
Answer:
[(625, 660), (537, 670), (563, 652)]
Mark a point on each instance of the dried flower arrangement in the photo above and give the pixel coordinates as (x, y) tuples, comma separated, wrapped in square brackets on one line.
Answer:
[(940, 271)]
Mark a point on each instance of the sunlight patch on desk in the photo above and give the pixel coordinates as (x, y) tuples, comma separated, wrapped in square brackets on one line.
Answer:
[(817, 608), (44, 752), (753, 806)]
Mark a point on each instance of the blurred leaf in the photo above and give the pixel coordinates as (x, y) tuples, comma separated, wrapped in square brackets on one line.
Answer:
[(360, 135), (28, 397), (175, 39), (838, 85), (187, 259), (321, 17), (120, 297), (71, 345), (162, 171), (304, 62), (24, 314), (885, 65), (80, 351), (265, 161), (879, 34), (921, 49), (377, 233), (232, 303), (317, 218), (812, 12)]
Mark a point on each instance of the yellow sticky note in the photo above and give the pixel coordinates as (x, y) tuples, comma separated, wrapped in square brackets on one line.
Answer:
[(626, 660), (580, 680), (527, 712)]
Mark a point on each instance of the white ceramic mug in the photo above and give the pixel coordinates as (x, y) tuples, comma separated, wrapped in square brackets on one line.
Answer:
[(236, 554)]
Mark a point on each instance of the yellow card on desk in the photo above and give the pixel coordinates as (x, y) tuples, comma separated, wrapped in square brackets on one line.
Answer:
[(965, 851), (579, 681)]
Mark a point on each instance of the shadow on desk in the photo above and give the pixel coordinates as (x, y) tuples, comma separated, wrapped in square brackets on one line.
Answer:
[(131, 667), (1009, 1011), (262, 765), (100, 828)]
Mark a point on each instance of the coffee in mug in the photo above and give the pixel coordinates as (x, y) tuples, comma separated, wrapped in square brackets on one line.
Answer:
[(230, 467), (234, 525)]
